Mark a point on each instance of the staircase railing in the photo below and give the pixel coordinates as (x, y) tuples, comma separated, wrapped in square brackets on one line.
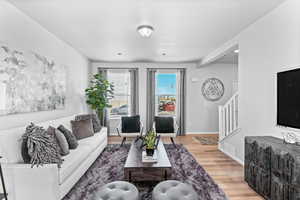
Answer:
[(228, 117)]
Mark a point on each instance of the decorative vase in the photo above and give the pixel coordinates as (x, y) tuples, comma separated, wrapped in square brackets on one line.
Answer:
[(149, 152)]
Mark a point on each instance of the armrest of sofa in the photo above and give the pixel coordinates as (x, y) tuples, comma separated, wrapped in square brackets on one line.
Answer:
[(35, 183)]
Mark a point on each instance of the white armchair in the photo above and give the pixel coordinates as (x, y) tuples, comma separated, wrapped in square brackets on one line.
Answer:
[(166, 127)]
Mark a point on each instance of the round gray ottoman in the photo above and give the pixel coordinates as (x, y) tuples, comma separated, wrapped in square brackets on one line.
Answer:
[(173, 190), (118, 190)]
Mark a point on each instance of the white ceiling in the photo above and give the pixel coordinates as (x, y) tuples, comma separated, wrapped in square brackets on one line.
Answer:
[(185, 30)]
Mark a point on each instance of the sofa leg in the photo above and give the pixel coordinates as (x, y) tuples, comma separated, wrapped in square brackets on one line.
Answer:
[(172, 140), (124, 139)]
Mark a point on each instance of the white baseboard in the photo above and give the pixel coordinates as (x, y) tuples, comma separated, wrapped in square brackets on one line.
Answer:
[(202, 133), (232, 156)]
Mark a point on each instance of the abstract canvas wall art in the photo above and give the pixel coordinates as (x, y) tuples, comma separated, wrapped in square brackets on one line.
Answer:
[(30, 82)]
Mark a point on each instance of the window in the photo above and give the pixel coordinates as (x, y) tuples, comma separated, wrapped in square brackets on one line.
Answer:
[(122, 95), (166, 93)]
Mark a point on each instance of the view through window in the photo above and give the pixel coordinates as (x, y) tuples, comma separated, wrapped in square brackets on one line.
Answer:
[(166, 94), (122, 95)]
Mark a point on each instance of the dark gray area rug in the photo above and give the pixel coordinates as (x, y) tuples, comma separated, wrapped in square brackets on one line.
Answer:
[(109, 167)]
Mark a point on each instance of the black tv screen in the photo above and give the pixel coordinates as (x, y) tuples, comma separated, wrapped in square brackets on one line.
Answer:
[(288, 98)]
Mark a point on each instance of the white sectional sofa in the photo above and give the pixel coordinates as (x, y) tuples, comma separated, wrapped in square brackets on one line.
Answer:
[(47, 182)]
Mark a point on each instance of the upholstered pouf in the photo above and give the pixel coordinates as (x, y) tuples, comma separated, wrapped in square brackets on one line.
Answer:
[(173, 190), (118, 190)]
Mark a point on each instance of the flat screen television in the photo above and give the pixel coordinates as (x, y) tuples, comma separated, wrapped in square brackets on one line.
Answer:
[(288, 98)]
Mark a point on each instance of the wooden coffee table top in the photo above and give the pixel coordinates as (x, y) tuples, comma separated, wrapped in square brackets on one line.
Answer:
[(134, 158)]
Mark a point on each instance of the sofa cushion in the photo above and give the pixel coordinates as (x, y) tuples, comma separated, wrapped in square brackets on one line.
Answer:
[(93, 142), (73, 160), (71, 139), (82, 128), (77, 156), (95, 121), (63, 143)]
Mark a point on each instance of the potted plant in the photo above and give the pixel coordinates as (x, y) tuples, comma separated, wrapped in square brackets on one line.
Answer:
[(99, 94), (150, 143)]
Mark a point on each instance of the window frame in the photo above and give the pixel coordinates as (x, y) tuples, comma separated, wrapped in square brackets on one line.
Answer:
[(121, 95), (165, 71)]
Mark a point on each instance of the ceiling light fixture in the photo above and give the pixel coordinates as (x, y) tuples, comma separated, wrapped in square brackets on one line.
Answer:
[(145, 30), (236, 51)]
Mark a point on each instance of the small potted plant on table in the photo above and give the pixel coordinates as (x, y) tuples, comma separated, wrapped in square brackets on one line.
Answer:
[(150, 141)]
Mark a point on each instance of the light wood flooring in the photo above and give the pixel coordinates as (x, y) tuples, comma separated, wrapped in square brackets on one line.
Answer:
[(226, 172)]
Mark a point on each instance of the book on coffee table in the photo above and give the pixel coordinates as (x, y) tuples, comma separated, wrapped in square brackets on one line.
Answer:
[(149, 159)]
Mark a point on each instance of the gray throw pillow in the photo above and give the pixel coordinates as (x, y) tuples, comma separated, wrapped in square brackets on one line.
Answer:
[(95, 121), (82, 128), (72, 141), (62, 141)]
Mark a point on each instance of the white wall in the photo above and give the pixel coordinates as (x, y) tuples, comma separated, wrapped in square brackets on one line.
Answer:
[(202, 116), (270, 45), (21, 32)]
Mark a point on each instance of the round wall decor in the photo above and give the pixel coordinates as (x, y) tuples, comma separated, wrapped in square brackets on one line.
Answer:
[(212, 89)]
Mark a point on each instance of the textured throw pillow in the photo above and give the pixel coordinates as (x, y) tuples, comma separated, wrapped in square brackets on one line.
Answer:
[(42, 147), (82, 128), (64, 146), (51, 131), (164, 124), (71, 139), (95, 120)]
